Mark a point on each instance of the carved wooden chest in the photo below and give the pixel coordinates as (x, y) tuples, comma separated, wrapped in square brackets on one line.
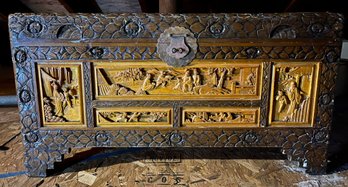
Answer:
[(152, 80)]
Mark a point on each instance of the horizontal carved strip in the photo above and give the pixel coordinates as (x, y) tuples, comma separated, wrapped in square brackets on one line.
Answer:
[(221, 117), (290, 138), (150, 52), (158, 81), (134, 116), (167, 103), (84, 26)]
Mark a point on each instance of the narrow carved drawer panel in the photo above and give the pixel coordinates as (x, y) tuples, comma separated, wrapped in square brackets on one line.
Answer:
[(294, 93), (221, 117), (61, 94), (134, 116), (155, 81)]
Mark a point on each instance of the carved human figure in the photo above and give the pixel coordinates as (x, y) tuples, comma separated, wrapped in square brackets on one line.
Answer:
[(67, 98), (251, 79), (222, 79), (58, 98), (294, 96), (147, 84), (282, 100), (178, 83), (214, 77), (73, 97), (196, 78), (187, 82), (160, 79)]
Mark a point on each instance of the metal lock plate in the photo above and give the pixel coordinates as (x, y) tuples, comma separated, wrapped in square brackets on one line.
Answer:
[(177, 46)]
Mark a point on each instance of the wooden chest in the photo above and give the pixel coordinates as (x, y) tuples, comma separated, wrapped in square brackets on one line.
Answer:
[(153, 80)]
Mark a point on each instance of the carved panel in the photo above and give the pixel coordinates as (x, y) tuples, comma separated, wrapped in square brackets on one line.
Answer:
[(61, 94), (201, 80), (229, 117), (293, 94), (134, 116)]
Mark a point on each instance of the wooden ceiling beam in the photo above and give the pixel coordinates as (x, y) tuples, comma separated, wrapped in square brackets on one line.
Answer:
[(167, 6), (119, 6), (81, 6)]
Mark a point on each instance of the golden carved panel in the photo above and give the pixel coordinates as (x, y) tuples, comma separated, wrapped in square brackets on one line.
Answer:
[(293, 94), (221, 117), (155, 80), (134, 116), (61, 94)]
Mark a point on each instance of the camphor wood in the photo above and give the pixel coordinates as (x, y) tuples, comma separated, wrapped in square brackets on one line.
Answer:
[(155, 80)]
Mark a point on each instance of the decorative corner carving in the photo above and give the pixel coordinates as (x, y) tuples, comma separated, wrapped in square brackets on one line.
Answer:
[(217, 29), (20, 56), (177, 46), (96, 52), (132, 28), (24, 96), (34, 27)]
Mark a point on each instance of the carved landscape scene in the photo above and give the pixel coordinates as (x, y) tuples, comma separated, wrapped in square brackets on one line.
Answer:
[(61, 97), (215, 116), (228, 81), (294, 89), (133, 117)]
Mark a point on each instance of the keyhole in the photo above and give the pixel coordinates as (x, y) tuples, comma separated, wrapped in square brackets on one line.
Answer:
[(178, 50)]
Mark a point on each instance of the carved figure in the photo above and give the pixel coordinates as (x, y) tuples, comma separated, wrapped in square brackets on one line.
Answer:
[(294, 96), (222, 79), (148, 84), (214, 77), (58, 99), (163, 79), (282, 100), (187, 82), (251, 79), (196, 77), (160, 79), (178, 83)]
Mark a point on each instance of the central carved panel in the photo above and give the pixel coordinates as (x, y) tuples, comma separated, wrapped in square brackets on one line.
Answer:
[(139, 80)]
